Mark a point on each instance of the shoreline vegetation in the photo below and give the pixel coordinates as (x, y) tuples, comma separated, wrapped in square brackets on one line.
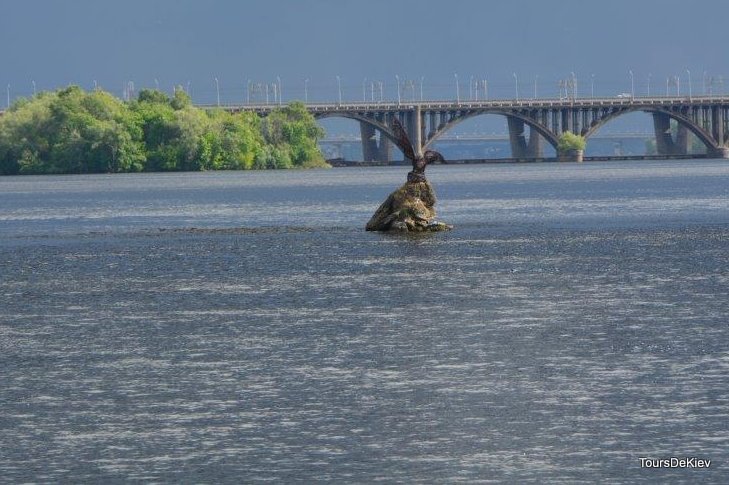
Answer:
[(72, 131)]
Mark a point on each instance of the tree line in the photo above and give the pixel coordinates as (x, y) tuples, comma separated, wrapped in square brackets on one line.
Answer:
[(74, 131)]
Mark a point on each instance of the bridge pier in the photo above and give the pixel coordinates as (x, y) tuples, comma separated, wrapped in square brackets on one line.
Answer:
[(414, 123), (717, 125), (384, 149), (718, 152), (682, 140), (517, 138), (535, 147), (665, 144), (369, 142)]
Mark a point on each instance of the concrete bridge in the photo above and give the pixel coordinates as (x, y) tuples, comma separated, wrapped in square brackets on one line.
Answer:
[(707, 117)]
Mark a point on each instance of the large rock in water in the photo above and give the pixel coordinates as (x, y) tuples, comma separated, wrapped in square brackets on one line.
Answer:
[(409, 209)]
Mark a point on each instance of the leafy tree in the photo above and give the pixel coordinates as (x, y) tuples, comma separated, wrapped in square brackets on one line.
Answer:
[(72, 131), (152, 96), (22, 140), (294, 132), (181, 99), (181, 137), (159, 128), (570, 141)]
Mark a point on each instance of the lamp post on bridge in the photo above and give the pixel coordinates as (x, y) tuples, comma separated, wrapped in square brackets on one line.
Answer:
[(632, 85), (689, 81), (516, 85), (470, 88), (364, 90), (592, 86), (574, 86), (649, 84), (421, 87), (306, 90), (217, 89), (458, 92), (411, 83), (280, 93), (397, 79), (339, 88), (536, 78)]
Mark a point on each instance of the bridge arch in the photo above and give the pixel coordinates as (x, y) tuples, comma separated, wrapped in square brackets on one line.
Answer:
[(369, 124), (704, 136), (533, 125), (369, 121)]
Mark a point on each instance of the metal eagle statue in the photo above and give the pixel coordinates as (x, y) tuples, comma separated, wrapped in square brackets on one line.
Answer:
[(411, 207), (419, 163)]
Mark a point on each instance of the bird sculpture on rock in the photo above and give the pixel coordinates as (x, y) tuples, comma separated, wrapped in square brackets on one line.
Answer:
[(411, 207), (419, 163)]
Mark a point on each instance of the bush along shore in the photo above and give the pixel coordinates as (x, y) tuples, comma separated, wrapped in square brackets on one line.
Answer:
[(75, 131)]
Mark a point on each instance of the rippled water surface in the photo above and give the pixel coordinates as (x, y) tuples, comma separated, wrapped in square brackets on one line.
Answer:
[(242, 327)]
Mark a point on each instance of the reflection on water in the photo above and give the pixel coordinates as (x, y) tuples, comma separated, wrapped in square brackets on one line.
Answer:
[(573, 322)]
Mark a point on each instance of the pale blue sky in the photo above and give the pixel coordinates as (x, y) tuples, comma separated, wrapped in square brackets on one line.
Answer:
[(55, 43)]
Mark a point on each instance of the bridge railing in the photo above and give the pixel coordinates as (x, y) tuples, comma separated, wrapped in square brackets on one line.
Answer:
[(485, 104)]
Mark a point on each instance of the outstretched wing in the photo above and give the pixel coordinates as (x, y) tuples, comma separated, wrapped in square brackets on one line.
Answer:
[(402, 140), (431, 156)]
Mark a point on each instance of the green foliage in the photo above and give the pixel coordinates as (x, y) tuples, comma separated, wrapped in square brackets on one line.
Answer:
[(181, 99), (72, 131), (570, 141), (293, 133)]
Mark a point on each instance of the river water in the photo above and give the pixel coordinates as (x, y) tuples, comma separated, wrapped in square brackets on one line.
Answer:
[(243, 327)]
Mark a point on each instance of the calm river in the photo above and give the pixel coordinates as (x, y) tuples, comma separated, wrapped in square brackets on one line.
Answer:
[(243, 327)]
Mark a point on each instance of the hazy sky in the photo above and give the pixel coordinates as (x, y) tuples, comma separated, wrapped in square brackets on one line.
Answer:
[(55, 43)]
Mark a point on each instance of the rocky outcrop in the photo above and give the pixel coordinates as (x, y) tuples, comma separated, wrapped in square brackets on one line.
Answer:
[(409, 209)]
